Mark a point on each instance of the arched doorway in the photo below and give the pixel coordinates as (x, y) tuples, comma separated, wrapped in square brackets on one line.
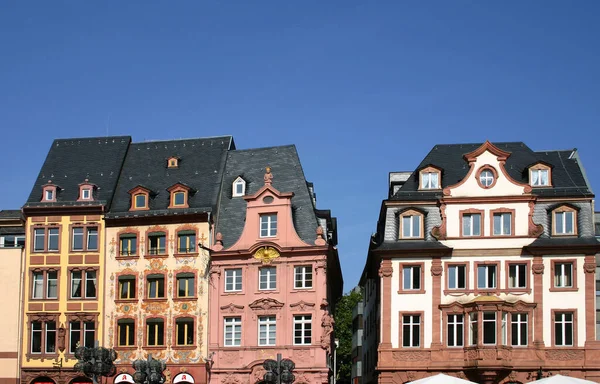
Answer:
[(43, 380), (81, 380)]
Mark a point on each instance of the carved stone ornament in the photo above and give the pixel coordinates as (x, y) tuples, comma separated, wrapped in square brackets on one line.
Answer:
[(538, 269), (386, 271), (320, 240), (436, 270), (564, 355), (232, 308), (266, 254), (411, 355), (230, 379), (303, 305), (589, 267), (268, 176), (265, 304)]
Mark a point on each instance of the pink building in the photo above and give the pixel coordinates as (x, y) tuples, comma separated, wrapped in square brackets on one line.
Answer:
[(275, 274)]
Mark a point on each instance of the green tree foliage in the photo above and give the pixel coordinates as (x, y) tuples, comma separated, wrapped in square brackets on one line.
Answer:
[(343, 332)]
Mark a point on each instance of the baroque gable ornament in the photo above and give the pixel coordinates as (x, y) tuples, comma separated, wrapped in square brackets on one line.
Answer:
[(265, 304), (266, 254), (232, 308), (302, 305)]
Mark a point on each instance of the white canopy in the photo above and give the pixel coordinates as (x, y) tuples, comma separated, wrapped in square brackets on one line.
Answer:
[(441, 379), (560, 379)]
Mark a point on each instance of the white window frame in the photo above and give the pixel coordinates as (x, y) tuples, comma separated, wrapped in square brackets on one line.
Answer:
[(521, 320), (503, 217), (562, 220), (269, 323), (538, 182), (430, 180), (35, 331), (49, 195), (238, 182), (486, 178), (469, 217), (233, 280), (453, 325), (268, 224), (487, 276), (232, 331), (53, 232), (515, 272), (267, 278), (453, 269), (414, 230), (414, 325), (483, 323), (411, 278), (86, 194), (561, 275), (473, 328), (301, 273), (564, 323), (303, 325)]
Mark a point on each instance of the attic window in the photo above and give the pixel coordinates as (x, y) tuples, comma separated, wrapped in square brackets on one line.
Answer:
[(173, 162), (86, 191), (139, 198), (179, 196), (540, 175), (564, 220), (429, 178), (487, 176), (239, 187), (49, 192), (411, 225)]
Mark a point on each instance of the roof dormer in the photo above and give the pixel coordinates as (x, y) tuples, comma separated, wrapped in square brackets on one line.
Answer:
[(179, 195), (430, 178), (540, 175), (86, 191), (49, 192), (140, 198), (173, 162), (239, 187)]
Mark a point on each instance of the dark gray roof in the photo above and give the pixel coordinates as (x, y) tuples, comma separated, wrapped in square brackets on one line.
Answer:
[(565, 242), (12, 230), (288, 176), (567, 175), (8, 214), (71, 161), (201, 164), (410, 245)]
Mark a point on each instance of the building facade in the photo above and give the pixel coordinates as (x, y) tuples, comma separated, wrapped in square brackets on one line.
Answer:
[(484, 258), (156, 274), (12, 264), (275, 274), (357, 342), (64, 254)]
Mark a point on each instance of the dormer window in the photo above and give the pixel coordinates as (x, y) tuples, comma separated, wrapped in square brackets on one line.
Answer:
[(429, 178), (49, 192), (564, 221), (179, 196), (49, 195), (139, 198), (487, 177), (86, 191), (173, 162), (540, 175), (86, 194), (239, 187), (411, 225)]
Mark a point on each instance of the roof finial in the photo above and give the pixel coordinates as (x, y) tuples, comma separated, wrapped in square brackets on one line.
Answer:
[(268, 176), (320, 240)]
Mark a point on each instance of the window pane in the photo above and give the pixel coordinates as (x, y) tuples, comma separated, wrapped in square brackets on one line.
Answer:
[(497, 224), (74, 335), (36, 337), (50, 337), (179, 198), (406, 277), (76, 283), (481, 277), (92, 243), (416, 226), (53, 239), (39, 236), (52, 292), (77, 239), (569, 222), (90, 334), (506, 217), (90, 284), (489, 328), (140, 201), (406, 230), (476, 225)]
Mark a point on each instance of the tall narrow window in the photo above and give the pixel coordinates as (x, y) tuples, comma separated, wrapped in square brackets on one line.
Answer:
[(489, 328), (186, 242), (77, 239), (140, 200), (411, 330), (53, 239), (50, 337), (266, 330), (155, 332), (473, 329), (302, 329), (267, 278), (36, 337), (471, 224), (39, 235), (517, 276), (233, 279), (239, 187), (457, 277), (411, 226), (563, 275), (564, 223), (455, 334), (156, 286), (503, 224), (185, 331), (52, 285), (411, 277), (92, 238), (233, 331), (519, 329), (563, 329), (37, 289), (268, 225), (126, 330)]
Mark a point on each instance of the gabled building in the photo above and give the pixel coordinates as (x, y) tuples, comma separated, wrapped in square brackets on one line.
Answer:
[(482, 267), (12, 268), (156, 274), (275, 275), (64, 255)]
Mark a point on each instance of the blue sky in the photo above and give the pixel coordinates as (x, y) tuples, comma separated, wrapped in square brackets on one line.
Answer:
[(361, 88)]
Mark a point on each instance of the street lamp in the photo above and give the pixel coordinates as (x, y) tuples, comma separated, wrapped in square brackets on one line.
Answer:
[(149, 371), (279, 371), (95, 362), (337, 344)]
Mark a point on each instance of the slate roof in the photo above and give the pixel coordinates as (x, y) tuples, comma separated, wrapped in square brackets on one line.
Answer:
[(568, 178), (201, 164), (288, 176), (70, 161), (10, 214)]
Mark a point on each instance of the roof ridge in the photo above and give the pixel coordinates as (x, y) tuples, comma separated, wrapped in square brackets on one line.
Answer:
[(264, 148), (93, 138), (183, 139)]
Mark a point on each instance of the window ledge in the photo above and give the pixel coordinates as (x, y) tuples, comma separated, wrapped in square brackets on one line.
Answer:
[(303, 290), (559, 289), (128, 257), (124, 301), (156, 299), (411, 291), (516, 291), (232, 293), (191, 254), (83, 299), (159, 256), (458, 292), (183, 347), (190, 298), (127, 347)]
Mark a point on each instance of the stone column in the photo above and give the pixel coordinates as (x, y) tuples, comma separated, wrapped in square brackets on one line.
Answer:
[(538, 294), (589, 267), (436, 294), (385, 273)]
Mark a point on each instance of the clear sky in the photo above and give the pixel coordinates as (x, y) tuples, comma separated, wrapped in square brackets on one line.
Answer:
[(361, 88)]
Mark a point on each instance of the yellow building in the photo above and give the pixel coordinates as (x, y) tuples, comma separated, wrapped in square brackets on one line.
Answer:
[(64, 256), (12, 240)]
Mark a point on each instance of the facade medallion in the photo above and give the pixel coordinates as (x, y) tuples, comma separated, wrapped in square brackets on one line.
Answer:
[(266, 254)]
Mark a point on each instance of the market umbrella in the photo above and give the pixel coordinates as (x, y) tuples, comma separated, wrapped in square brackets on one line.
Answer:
[(560, 379), (441, 379)]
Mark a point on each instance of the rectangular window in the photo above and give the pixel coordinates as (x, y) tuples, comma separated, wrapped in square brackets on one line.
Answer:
[(53, 239), (39, 235), (156, 243), (268, 225), (85, 194), (411, 277), (85, 336), (430, 180), (233, 331), (489, 328), (77, 239), (36, 337), (179, 198), (473, 329), (302, 330), (126, 287), (185, 331), (457, 277), (50, 337), (564, 223), (186, 242), (539, 177), (92, 238), (267, 278), (128, 245), (140, 201), (233, 280), (486, 276), (266, 330), (502, 224), (563, 275), (52, 285), (185, 285), (471, 224), (303, 277), (517, 276), (49, 195), (411, 330), (156, 286), (411, 226), (37, 289), (563, 329), (155, 332), (455, 330), (518, 323), (126, 329), (83, 284)]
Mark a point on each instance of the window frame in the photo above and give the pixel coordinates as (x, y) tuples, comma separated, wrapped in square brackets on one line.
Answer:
[(447, 325), (157, 322), (299, 323), (501, 211), (421, 273), (270, 327), (82, 319), (304, 268), (427, 172), (43, 318), (129, 278), (128, 235), (450, 265), (483, 168), (126, 322), (235, 323), (176, 189), (236, 182), (49, 188), (191, 245), (139, 191), (269, 222), (45, 283), (487, 264), (563, 209), (573, 312), (421, 329), (156, 251), (540, 167), (507, 267), (189, 322), (574, 286), (191, 290), (518, 323), (156, 278), (233, 277), (411, 213), (84, 280), (470, 212), (45, 238), (85, 241), (270, 278)]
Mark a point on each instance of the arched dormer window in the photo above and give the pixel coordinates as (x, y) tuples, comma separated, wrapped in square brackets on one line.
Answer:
[(49, 192), (140, 197), (430, 178), (86, 191), (540, 175), (173, 162), (564, 221), (239, 187), (411, 224), (179, 196)]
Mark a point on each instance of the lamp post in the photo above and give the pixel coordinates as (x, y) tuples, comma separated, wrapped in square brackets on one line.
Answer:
[(279, 371), (337, 344), (149, 371), (95, 362)]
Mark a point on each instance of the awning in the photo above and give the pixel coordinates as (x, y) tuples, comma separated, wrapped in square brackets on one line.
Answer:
[(124, 378), (183, 377)]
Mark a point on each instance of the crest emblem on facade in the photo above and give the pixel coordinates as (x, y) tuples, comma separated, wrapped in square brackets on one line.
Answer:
[(266, 254)]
